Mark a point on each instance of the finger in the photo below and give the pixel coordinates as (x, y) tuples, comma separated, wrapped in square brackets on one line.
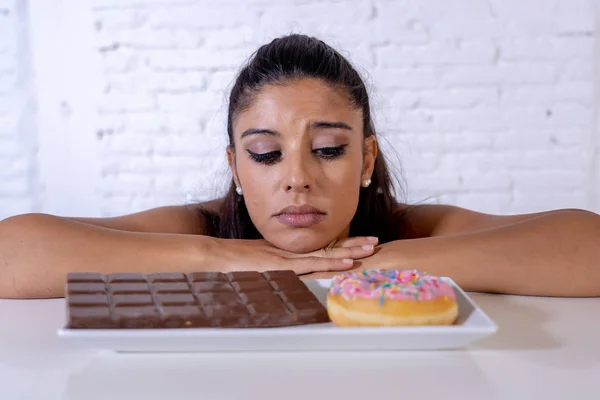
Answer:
[(319, 275), (319, 264), (357, 241), (347, 252), (335, 252)]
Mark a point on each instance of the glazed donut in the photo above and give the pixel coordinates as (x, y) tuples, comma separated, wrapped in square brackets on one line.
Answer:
[(390, 297)]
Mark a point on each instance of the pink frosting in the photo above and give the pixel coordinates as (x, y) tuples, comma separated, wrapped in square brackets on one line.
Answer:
[(390, 284)]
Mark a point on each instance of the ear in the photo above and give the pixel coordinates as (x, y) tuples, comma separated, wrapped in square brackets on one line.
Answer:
[(231, 162), (369, 156)]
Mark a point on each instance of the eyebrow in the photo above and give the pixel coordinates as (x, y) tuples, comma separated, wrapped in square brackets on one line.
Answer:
[(314, 125), (330, 125), (253, 131)]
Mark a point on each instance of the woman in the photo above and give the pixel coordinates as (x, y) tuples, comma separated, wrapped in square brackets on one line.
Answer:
[(310, 192)]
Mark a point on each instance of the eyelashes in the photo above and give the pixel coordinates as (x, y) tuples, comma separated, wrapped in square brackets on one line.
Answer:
[(269, 158), (330, 153), (325, 153)]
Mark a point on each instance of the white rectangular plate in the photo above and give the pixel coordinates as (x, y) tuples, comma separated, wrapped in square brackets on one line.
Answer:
[(472, 324)]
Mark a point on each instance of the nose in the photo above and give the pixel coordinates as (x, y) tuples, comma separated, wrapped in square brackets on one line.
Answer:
[(297, 176)]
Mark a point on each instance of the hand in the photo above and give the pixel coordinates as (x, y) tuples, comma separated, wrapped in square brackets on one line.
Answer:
[(395, 254), (260, 255)]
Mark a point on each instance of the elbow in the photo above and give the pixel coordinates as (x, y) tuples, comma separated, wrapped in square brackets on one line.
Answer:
[(8, 285), (584, 229), (27, 257), (8, 290), (13, 284), (12, 232)]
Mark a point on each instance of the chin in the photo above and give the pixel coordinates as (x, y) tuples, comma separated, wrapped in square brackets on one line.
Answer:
[(299, 242)]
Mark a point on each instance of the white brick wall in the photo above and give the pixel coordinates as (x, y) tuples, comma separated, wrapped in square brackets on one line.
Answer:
[(488, 104), (17, 166)]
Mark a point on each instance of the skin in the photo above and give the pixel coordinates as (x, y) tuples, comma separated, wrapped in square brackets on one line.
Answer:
[(551, 253), (304, 123)]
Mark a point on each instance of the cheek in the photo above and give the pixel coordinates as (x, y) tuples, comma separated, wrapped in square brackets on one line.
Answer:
[(343, 190), (344, 174), (344, 184), (257, 185), (251, 174)]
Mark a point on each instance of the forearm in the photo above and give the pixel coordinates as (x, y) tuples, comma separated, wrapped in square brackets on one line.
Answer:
[(554, 255), (37, 251)]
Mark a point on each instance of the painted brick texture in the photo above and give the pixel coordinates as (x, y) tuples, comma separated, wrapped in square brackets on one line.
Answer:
[(17, 164)]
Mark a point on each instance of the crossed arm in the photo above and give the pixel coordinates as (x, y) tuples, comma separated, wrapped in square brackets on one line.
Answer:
[(555, 253)]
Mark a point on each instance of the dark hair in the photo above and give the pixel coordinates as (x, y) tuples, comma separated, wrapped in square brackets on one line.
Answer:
[(299, 56)]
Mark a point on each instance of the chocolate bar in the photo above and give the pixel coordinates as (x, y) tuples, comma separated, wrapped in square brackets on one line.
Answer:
[(243, 299)]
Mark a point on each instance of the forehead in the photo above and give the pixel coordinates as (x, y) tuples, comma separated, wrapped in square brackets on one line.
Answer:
[(298, 102)]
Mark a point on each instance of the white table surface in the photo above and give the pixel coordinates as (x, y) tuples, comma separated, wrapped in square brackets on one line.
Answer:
[(546, 348)]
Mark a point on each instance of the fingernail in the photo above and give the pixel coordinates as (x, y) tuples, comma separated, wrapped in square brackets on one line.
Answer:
[(372, 239), (368, 247), (348, 261)]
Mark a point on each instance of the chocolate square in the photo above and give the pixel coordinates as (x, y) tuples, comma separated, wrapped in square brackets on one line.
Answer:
[(126, 277), (86, 287), (207, 277), (167, 277), (171, 287), (212, 286), (129, 287)]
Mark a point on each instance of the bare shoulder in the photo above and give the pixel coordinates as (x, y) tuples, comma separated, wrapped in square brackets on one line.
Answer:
[(428, 220), (179, 219)]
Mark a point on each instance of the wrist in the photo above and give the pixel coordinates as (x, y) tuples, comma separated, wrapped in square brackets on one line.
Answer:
[(391, 255), (203, 253), (216, 254), (440, 256)]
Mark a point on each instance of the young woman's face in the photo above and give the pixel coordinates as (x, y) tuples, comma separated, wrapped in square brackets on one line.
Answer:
[(300, 159)]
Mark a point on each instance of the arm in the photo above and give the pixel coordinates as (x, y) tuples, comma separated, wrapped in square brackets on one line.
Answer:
[(550, 254), (38, 250)]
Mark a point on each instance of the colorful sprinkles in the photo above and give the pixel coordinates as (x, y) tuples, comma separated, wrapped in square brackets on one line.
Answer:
[(395, 284)]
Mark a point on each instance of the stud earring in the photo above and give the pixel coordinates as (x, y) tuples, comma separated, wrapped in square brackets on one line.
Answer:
[(238, 190), (366, 183)]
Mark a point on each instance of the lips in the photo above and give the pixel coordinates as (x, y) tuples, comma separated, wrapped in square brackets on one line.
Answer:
[(300, 216)]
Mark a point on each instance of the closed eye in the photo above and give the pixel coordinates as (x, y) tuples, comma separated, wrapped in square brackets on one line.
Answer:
[(331, 153), (270, 158)]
